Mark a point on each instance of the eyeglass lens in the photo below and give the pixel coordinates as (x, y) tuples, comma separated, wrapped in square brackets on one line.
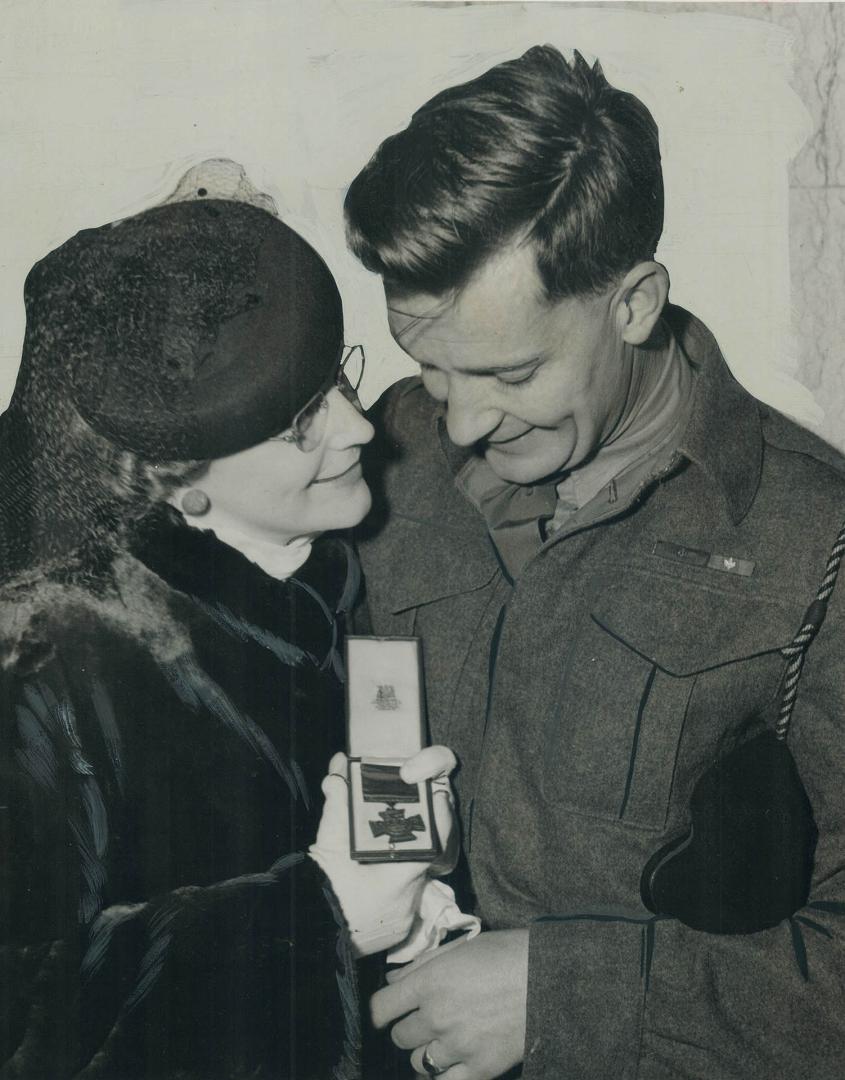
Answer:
[(352, 367), (309, 424)]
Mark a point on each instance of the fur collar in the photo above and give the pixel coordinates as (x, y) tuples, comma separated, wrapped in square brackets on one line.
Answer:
[(166, 588), (301, 611)]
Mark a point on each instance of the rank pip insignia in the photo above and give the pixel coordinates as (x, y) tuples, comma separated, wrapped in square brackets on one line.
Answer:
[(725, 564), (395, 826)]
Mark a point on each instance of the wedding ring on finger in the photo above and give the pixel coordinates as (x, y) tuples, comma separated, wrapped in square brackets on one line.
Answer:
[(430, 1065)]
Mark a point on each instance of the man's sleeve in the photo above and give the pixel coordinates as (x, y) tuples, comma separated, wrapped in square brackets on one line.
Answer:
[(653, 999)]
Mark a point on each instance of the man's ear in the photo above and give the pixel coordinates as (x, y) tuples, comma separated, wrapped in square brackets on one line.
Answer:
[(641, 298)]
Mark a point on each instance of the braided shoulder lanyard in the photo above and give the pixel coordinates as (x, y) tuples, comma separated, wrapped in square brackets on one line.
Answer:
[(796, 650)]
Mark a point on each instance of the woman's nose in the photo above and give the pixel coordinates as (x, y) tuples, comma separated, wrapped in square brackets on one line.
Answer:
[(347, 424)]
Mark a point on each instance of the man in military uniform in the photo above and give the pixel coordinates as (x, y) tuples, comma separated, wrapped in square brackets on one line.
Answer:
[(604, 543)]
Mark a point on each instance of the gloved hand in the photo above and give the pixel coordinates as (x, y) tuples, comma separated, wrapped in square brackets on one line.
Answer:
[(380, 900)]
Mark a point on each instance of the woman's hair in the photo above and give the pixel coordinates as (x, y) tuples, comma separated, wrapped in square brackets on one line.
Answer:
[(69, 503), (68, 496), (538, 149)]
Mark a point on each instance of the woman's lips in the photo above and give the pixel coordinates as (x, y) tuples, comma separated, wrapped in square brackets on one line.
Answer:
[(337, 476)]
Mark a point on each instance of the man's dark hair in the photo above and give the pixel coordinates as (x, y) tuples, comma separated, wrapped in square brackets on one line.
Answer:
[(536, 148)]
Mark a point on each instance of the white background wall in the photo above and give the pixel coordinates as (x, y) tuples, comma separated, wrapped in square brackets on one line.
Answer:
[(104, 104)]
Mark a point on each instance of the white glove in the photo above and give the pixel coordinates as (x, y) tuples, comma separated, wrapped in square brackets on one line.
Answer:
[(437, 916), (380, 900)]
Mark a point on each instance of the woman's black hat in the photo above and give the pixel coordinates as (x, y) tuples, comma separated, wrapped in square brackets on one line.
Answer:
[(190, 331)]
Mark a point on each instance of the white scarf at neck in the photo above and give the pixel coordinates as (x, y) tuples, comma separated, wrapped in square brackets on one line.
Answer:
[(279, 560)]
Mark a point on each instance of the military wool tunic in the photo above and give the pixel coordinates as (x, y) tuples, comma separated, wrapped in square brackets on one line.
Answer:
[(585, 698)]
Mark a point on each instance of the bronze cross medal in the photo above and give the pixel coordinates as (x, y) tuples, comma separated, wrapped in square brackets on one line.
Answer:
[(395, 826)]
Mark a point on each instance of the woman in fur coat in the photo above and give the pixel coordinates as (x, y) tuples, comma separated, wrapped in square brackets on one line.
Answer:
[(180, 435)]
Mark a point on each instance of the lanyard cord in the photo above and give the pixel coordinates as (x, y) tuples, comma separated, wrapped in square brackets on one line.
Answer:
[(811, 623)]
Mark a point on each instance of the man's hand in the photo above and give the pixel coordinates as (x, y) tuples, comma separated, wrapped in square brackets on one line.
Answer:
[(464, 1002)]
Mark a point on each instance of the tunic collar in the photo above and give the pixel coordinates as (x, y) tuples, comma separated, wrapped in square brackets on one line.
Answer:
[(724, 437)]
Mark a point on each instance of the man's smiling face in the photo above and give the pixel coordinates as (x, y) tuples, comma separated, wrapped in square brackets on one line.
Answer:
[(536, 386)]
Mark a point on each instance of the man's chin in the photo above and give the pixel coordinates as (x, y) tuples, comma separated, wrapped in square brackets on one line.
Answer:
[(517, 470)]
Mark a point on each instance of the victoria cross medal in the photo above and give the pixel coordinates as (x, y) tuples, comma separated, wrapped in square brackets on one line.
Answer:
[(395, 826)]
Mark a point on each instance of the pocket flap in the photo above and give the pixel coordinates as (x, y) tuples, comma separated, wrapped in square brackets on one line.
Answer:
[(415, 562), (684, 627)]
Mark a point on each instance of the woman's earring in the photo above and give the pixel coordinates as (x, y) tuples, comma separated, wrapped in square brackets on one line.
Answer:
[(195, 503)]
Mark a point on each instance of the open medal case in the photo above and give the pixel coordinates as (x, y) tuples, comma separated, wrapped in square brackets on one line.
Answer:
[(389, 820)]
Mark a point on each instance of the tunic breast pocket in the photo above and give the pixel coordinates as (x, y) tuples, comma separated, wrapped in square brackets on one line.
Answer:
[(653, 652)]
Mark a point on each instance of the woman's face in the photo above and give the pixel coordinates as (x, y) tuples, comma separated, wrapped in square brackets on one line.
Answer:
[(276, 492)]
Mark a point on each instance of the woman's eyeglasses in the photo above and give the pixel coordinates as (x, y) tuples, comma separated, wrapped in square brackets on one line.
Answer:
[(308, 428)]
